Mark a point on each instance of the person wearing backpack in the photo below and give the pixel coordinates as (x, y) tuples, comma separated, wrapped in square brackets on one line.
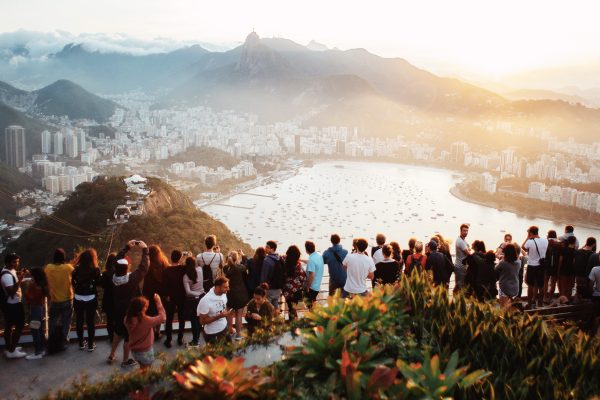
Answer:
[(85, 278), (416, 261), (12, 305), (333, 257), (211, 258), (273, 273)]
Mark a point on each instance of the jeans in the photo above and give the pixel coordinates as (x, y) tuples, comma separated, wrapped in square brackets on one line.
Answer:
[(170, 307), (191, 305), (36, 326), (85, 311), (62, 312), (274, 295)]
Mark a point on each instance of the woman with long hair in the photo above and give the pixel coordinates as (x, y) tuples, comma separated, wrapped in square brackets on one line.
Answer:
[(396, 252), (507, 271), (238, 295), (153, 282), (85, 279), (254, 266), (140, 327), (194, 291), (295, 280)]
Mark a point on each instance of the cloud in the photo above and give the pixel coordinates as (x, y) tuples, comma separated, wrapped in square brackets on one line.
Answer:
[(41, 44)]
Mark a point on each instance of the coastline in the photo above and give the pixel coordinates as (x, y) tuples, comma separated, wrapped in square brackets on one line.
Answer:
[(456, 192)]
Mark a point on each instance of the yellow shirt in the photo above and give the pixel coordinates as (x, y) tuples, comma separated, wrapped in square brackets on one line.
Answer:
[(59, 282)]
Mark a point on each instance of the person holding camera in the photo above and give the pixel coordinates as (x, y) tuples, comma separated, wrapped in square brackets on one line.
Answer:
[(126, 286), (12, 305), (536, 248)]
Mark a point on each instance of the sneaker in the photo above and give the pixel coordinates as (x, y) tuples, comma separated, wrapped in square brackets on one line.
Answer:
[(90, 349), (34, 356), (237, 337), (129, 363), (83, 345), (167, 344), (15, 354), (192, 345)]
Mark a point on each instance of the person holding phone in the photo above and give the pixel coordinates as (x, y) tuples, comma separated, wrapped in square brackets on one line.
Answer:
[(212, 312)]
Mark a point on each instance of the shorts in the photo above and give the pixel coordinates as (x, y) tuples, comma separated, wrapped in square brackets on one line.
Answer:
[(144, 357), (535, 276), (14, 314), (120, 328)]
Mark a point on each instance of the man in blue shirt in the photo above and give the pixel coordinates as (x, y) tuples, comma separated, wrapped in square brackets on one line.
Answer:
[(333, 257), (314, 269)]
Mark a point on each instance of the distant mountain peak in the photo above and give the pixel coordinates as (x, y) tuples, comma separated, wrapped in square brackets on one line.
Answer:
[(316, 46), (252, 39), (259, 60)]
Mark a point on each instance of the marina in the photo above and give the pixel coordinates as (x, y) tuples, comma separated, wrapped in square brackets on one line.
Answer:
[(357, 199)]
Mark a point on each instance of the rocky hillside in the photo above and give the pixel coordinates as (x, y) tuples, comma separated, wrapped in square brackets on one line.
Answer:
[(170, 220)]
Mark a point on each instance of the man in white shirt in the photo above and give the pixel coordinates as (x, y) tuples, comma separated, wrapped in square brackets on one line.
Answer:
[(463, 250), (212, 311), (12, 305), (359, 267), (536, 248), (212, 258)]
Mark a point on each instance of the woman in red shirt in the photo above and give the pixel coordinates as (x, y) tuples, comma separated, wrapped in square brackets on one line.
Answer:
[(141, 329)]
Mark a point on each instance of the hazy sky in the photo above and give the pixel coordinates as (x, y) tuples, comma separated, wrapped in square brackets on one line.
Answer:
[(477, 38)]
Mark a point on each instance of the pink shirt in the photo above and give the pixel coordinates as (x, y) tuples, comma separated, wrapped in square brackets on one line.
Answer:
[(141, 334)]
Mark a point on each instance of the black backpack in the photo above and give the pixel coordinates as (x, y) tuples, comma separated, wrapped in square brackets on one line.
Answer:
[(278, 277), (3, 294)]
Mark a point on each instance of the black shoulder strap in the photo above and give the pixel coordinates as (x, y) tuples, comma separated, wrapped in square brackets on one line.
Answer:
[(536, 248)]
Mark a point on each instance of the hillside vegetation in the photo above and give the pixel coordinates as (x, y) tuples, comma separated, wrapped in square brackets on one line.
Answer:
[(80, 221)]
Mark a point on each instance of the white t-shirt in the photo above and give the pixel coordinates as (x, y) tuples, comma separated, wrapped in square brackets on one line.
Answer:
[(378, 256), (211, 305), (532, 251), (358, 267), (462, 248), (215, 259), (7, 281), (595, 277)]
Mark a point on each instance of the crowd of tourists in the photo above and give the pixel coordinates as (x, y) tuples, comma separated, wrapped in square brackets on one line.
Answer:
[(216, 292)]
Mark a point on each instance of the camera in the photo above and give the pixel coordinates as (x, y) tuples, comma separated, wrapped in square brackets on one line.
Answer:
[(137, 242)]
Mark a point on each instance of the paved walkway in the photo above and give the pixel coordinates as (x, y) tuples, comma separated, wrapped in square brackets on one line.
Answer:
[(24, 379)]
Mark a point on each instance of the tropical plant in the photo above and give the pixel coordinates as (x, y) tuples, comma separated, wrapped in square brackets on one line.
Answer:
[(219, 378)]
